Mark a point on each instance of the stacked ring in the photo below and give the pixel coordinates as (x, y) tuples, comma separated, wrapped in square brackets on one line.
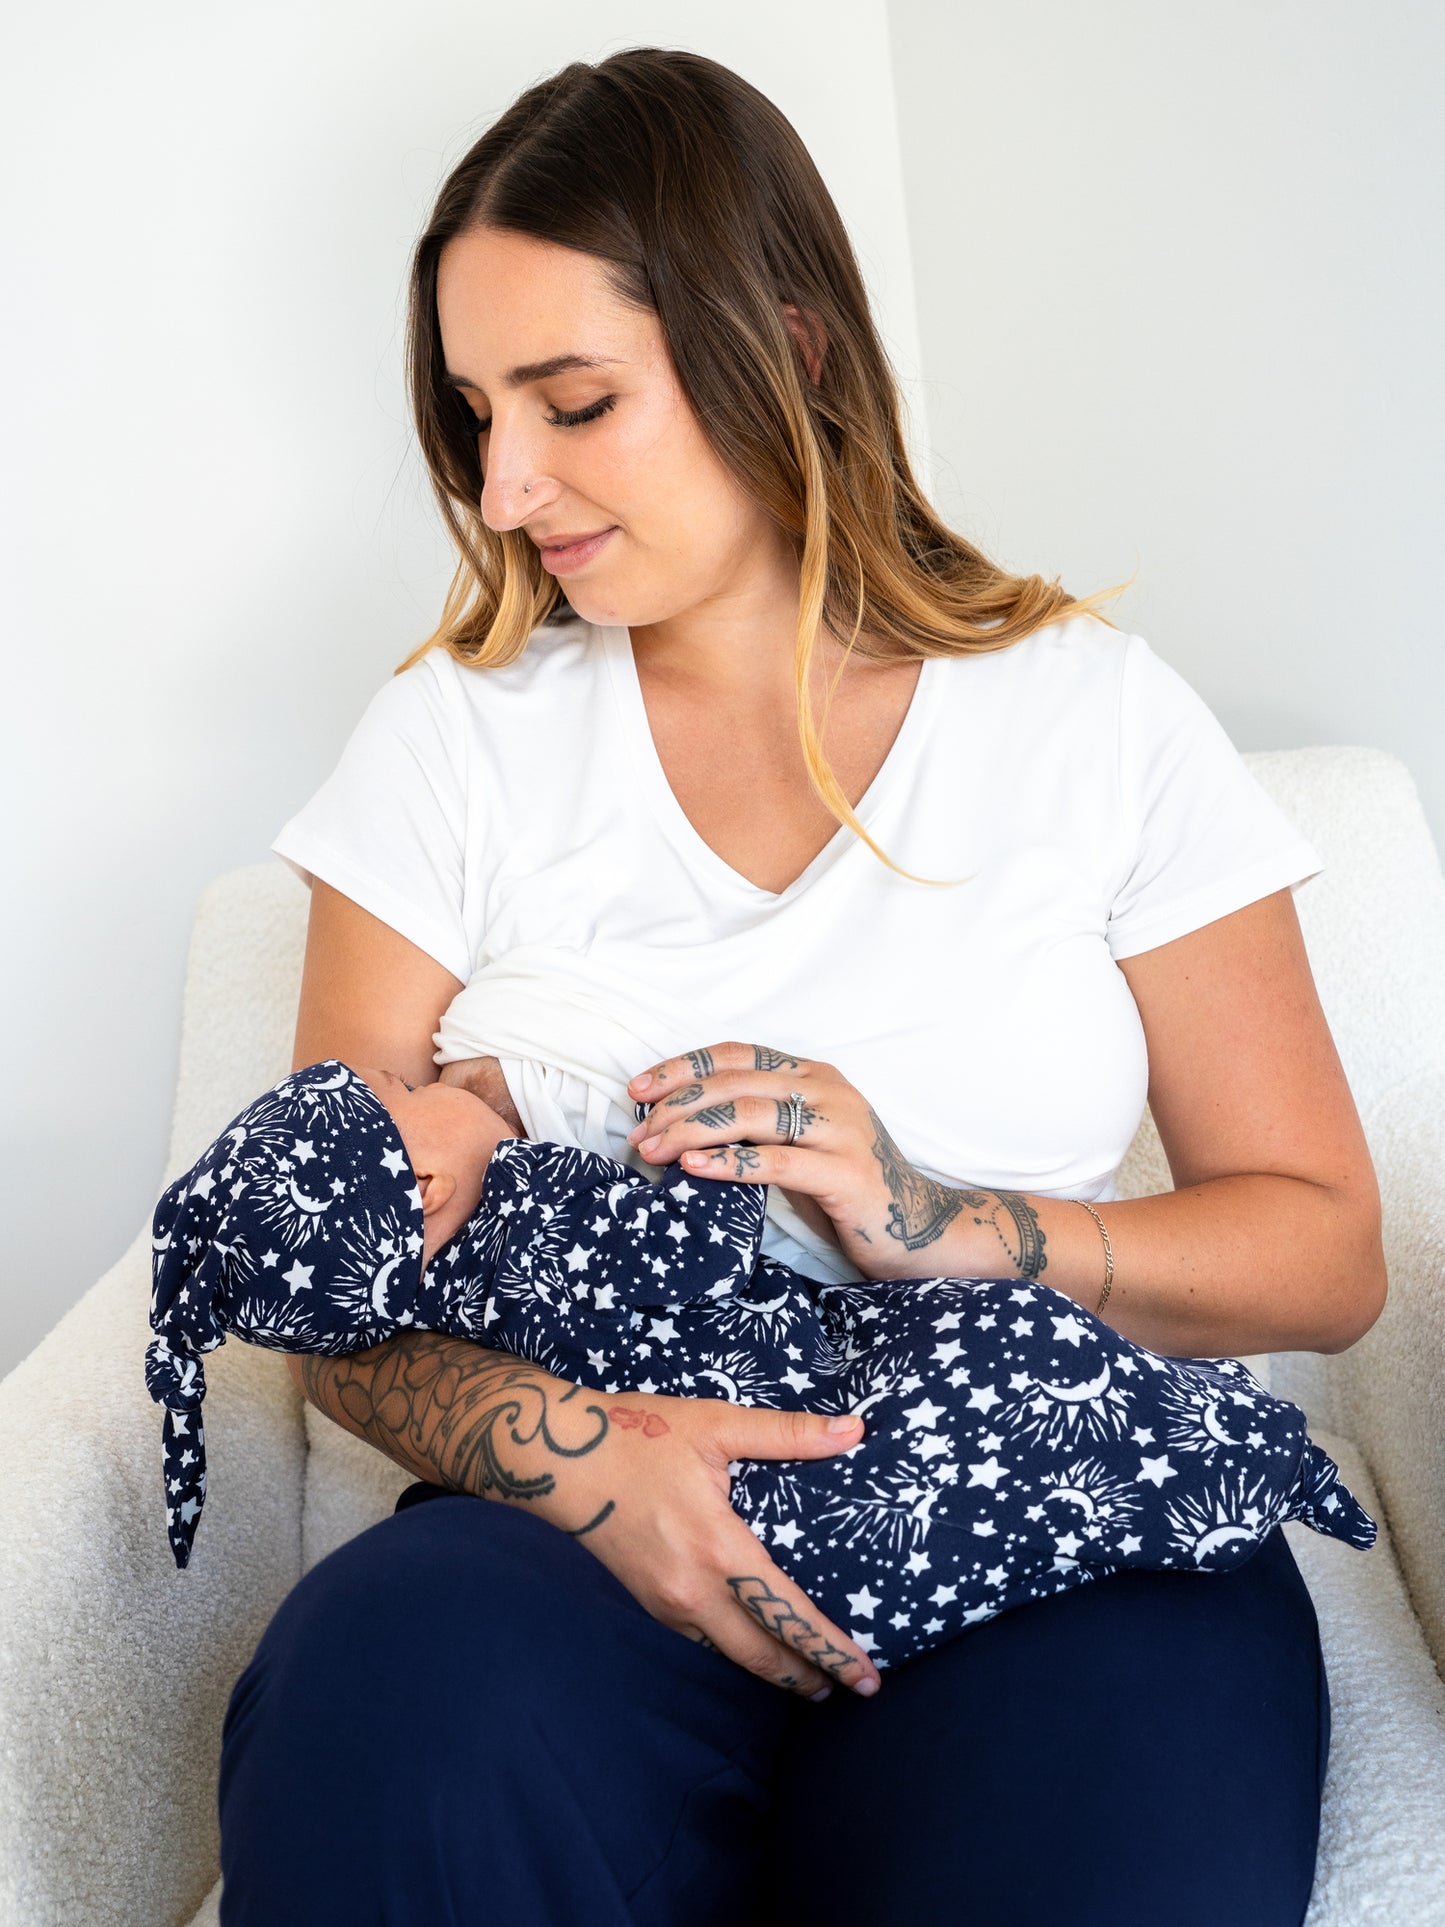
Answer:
[(795, 1116)]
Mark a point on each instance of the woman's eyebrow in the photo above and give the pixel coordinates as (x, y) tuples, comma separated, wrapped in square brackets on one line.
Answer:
[(534, 370)]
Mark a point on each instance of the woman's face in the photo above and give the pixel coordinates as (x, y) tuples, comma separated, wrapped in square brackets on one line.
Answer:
[(683, 534)]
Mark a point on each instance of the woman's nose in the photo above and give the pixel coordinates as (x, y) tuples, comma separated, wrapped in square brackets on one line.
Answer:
[(508, 467)]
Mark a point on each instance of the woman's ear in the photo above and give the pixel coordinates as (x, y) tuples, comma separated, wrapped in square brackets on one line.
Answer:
[(811, 336)]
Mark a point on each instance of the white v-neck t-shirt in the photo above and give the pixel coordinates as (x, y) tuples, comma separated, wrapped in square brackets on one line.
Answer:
[(517, 825)]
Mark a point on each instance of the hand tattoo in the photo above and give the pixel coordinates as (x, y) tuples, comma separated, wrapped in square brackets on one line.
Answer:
[(921, 1209)]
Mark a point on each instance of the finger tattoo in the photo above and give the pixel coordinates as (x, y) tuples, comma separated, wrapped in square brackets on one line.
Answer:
[(701, 1061), (757, 1597), (773, 1060), (807, 1114)]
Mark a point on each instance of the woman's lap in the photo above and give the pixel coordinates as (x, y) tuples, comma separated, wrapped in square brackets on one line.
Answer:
[(462, 1680)]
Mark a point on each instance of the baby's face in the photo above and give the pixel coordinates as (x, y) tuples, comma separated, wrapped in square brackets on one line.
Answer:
[(449, 1135)]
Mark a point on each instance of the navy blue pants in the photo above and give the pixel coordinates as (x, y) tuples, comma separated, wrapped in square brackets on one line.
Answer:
[(460, 1717)]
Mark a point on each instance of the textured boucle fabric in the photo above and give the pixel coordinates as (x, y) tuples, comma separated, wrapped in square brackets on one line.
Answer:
[(89, 1783)]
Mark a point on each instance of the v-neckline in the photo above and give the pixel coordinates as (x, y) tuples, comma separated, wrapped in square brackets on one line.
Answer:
[(616, 642)]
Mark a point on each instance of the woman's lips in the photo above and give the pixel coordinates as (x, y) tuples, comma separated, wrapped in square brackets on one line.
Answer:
[(572, 556)]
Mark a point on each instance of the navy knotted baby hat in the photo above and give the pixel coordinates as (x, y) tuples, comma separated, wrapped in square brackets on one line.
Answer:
[(309, 1187)]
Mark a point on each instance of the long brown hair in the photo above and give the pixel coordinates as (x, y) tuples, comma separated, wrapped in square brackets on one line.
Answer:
[(709, 212)]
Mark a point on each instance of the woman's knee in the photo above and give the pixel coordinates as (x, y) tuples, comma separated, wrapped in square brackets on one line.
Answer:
[(1144, 1747), (466, 1685)]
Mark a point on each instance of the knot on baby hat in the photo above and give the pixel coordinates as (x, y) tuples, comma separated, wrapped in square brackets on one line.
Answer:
[(299, 1228), (174, 1379)]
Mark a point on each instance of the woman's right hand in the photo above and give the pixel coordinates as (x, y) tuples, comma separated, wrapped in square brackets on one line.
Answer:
[(655, 1495)]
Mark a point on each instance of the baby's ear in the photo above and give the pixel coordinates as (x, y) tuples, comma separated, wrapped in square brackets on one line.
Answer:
[(436, 1191)]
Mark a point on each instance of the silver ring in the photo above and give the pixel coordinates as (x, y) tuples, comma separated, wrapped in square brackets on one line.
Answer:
[(796, 1101)]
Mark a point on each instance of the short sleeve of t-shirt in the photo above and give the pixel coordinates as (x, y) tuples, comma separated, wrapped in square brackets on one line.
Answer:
[(388, 826), (1202, 835)]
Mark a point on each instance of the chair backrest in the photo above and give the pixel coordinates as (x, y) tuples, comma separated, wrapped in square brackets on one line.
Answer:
[(1374, 926)]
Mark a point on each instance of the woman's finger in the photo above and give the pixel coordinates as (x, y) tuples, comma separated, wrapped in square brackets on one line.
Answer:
[(764, 1594), (749, 1647), (758, 1118), (693, 1065)]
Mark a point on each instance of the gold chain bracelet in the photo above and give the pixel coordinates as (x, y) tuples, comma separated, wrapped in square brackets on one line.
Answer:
[(1108, 1253)]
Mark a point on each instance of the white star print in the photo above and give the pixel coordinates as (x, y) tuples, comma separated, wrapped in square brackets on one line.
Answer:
[(787, 1535), (923, 1417), (298, 1275), (395, 1162), (1156, 1470), (1069, 1328), (863, 1604)]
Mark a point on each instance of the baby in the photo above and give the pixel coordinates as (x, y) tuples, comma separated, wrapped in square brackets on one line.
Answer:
[(1016, 1445)]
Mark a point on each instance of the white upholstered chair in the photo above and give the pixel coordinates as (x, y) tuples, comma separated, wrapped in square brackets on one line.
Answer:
[(115, 1669)]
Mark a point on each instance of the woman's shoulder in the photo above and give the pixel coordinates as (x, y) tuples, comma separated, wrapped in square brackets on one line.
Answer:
[(1067, 670), (557, 657), (440, 697)]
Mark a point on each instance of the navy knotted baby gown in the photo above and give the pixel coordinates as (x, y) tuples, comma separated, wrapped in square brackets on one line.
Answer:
[(1016, 1445)]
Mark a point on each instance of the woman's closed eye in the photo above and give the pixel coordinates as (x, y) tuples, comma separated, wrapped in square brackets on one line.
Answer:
[(563, 417)]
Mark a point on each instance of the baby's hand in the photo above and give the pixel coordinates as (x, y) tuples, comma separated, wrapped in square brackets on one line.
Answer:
[(482, 1076)]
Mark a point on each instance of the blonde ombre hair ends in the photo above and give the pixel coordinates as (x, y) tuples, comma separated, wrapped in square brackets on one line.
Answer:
[(709, 212)]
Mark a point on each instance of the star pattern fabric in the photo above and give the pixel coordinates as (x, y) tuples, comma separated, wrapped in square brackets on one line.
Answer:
[(1015, 1446)]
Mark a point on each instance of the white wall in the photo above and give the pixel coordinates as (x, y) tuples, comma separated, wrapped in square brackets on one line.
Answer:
[(1181, 287), (216, 541), (1179, 291)]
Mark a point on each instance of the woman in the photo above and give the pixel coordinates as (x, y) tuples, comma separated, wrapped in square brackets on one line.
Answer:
[(643, 367)]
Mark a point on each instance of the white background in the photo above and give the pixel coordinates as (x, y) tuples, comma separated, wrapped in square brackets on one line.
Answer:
[(1163, 285)]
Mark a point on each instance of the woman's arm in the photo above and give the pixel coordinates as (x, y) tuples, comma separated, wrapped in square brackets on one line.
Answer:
[(1271, 1240), (651, 1501)]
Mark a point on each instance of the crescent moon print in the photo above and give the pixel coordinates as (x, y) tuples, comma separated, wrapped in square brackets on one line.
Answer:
[(1075, 1394), (381, 1283), (302, 1202), (342, 1076), (1061, 1417)]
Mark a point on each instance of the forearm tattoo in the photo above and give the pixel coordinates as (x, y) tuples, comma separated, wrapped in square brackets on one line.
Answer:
[(920, 1209), (1021, 1235), (469, 1419), (774, 1612)]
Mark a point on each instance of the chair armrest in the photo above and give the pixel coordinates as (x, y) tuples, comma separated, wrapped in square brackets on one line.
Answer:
[(115, 1668), (1386, 1389)]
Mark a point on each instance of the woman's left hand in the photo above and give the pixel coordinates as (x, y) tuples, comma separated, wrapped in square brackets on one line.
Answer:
[(724, 1111)]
